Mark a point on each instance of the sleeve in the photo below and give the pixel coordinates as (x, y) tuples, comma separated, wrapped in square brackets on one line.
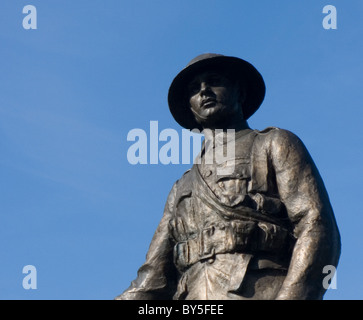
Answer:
[(302, 191), (156, 278)]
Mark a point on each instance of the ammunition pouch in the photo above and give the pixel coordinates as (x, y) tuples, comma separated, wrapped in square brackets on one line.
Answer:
[(233, 236)]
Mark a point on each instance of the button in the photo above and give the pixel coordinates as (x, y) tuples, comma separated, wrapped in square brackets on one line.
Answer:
[(208, 173), (221, 226), (210, 260)]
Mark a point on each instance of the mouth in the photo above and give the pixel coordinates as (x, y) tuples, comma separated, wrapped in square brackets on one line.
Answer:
[(208, 102)]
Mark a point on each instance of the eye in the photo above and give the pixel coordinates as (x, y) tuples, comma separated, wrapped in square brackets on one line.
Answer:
[(215, 81), (193, 88)]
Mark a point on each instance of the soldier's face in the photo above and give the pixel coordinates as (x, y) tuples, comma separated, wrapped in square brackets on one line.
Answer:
[(214, 99)]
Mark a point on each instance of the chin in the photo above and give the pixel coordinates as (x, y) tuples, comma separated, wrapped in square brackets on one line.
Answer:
[(212, 113)]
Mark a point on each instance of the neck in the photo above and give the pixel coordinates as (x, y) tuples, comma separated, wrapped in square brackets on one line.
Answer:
[(239, 125)]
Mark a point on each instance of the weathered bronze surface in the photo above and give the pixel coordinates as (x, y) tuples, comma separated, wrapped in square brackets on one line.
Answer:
[(263, 230)]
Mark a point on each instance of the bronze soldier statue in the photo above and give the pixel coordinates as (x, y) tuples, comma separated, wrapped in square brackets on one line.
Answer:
[(263, 230)]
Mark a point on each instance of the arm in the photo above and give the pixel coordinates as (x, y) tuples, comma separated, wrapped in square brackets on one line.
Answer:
[(157, 276), (302, 191)]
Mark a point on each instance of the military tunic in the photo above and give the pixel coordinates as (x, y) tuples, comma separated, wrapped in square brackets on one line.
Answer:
[(237, 234)]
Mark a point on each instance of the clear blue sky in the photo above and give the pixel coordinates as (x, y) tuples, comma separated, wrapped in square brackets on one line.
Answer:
[(71, 90)]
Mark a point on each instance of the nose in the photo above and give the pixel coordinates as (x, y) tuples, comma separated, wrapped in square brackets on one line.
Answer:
[(204, 88)]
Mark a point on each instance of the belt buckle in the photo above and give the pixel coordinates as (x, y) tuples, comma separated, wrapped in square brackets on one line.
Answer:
[(210, 256)]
